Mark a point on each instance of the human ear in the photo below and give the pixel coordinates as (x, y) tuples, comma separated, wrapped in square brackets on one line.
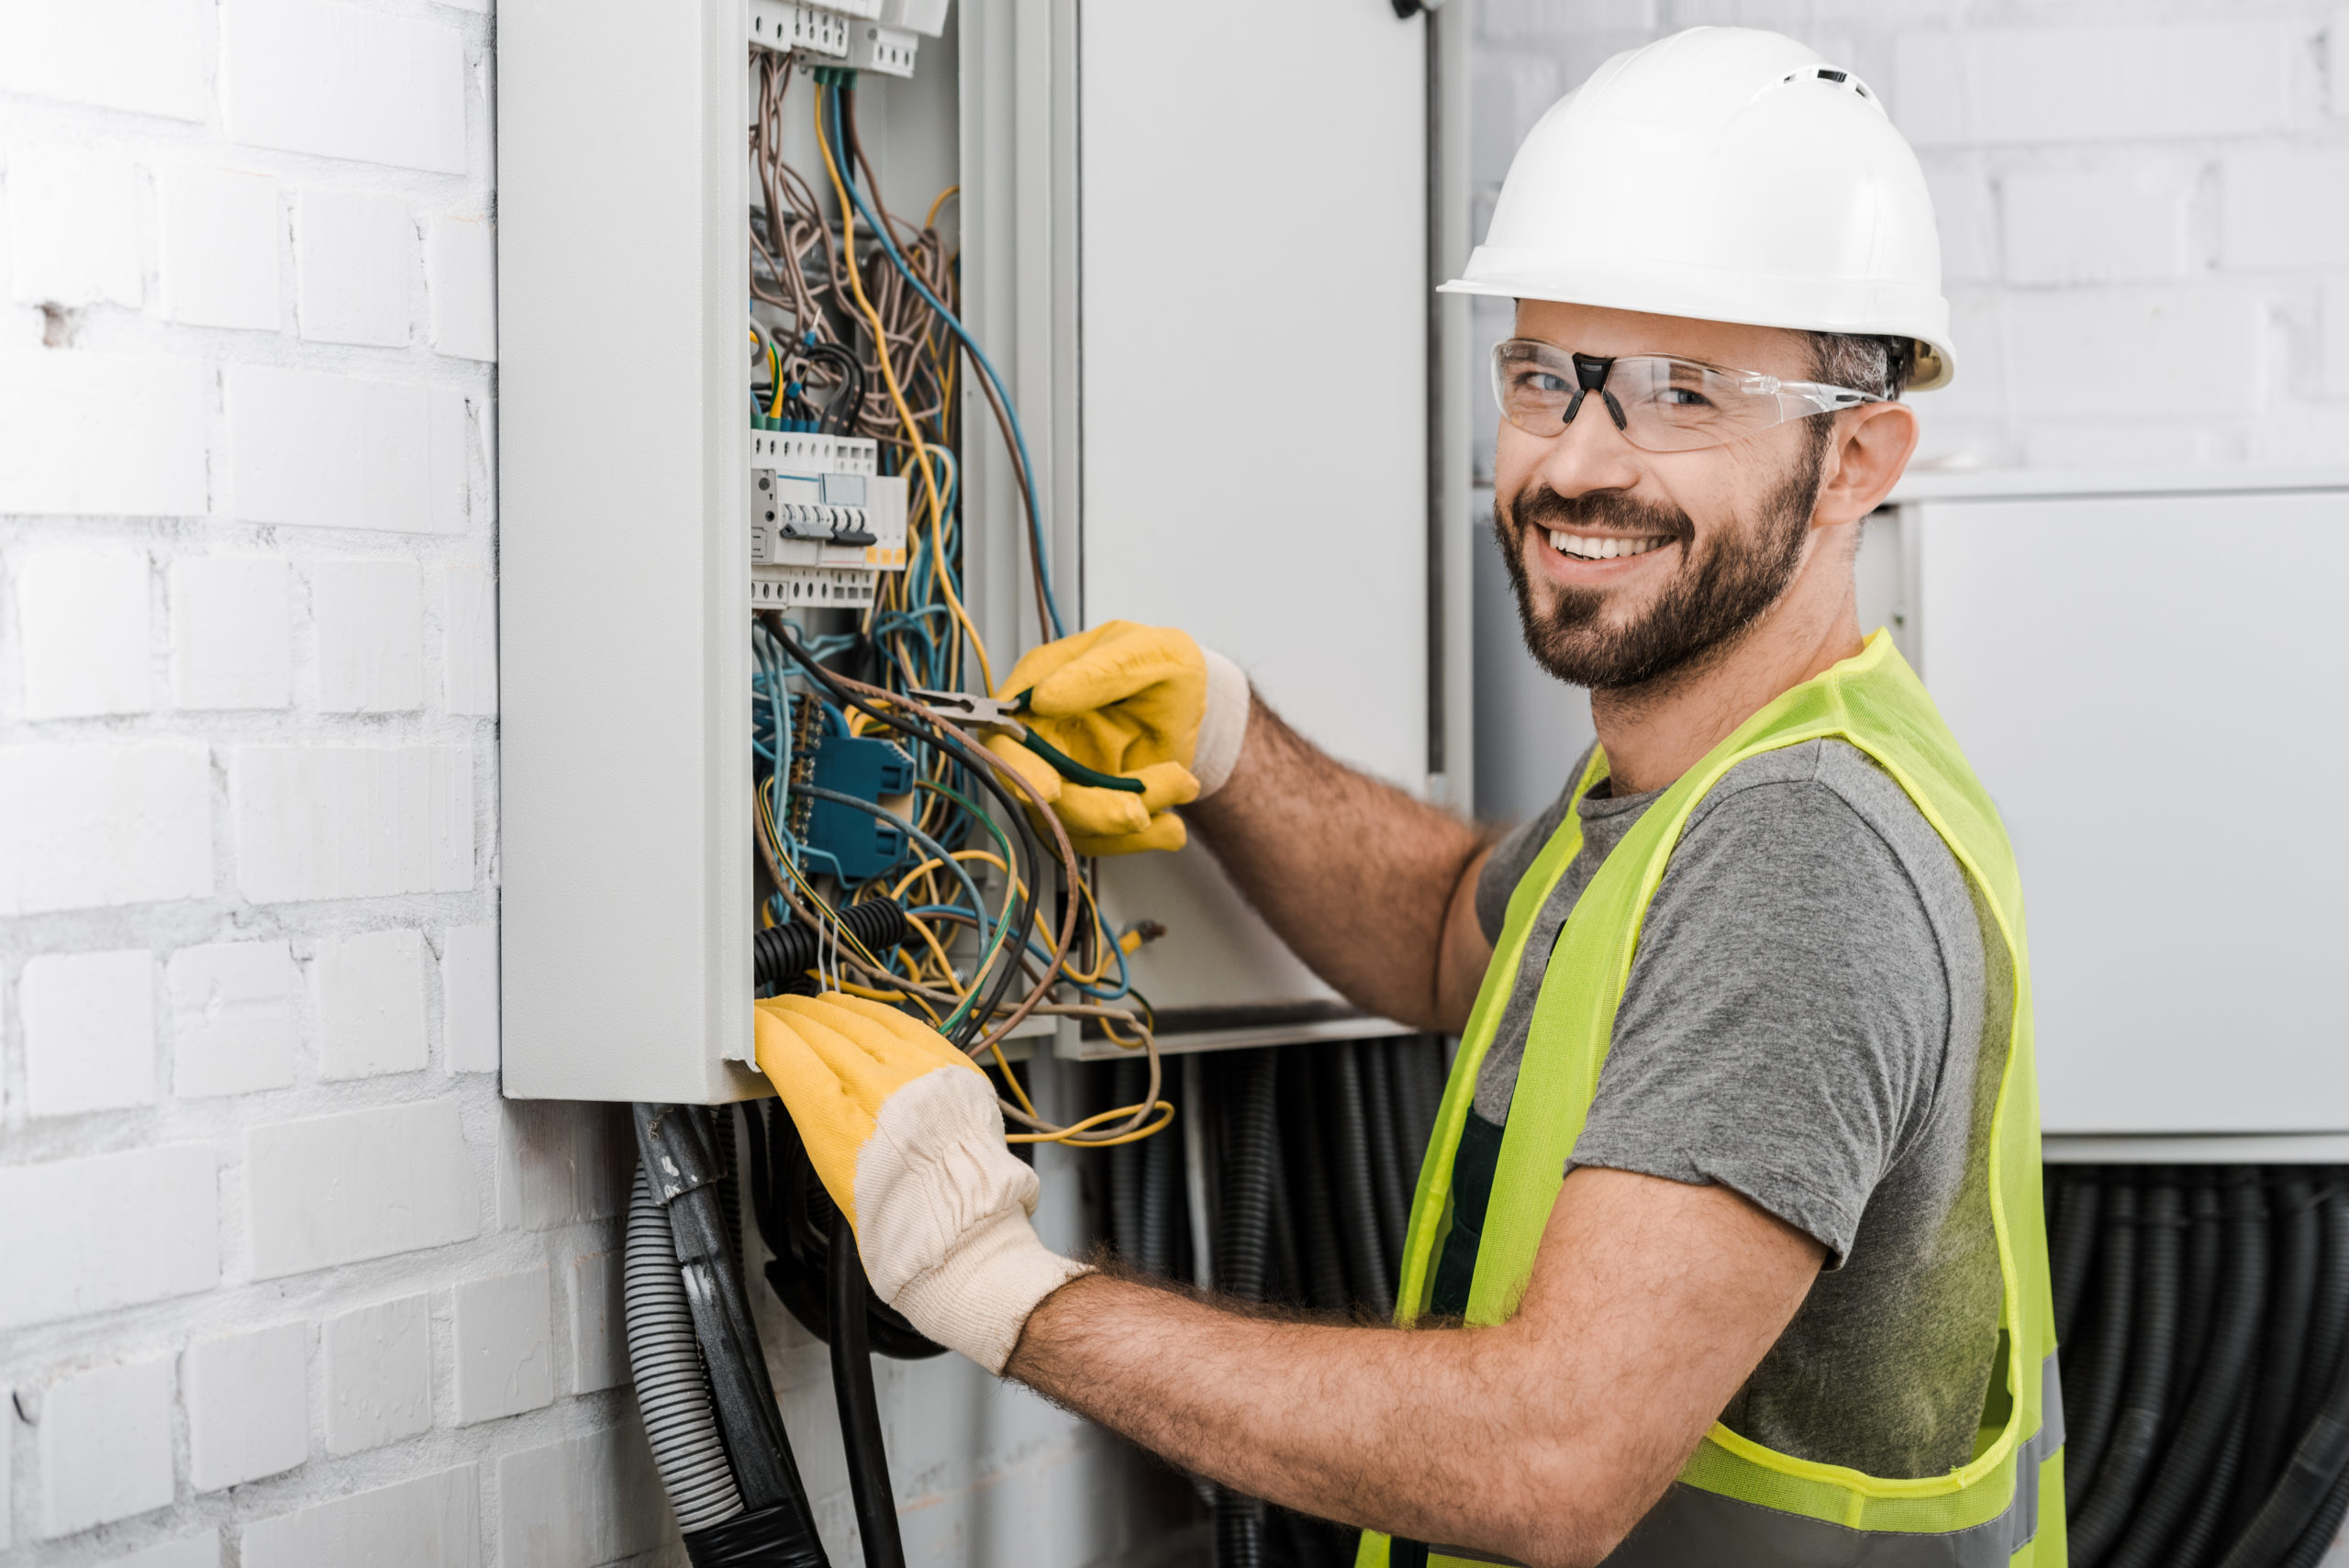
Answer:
[(1871, 449)]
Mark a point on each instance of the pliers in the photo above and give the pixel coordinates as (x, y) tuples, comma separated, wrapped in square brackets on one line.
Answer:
[(1001, 714)]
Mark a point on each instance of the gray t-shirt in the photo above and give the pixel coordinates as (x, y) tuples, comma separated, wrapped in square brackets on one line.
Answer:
[(1816, 1017)]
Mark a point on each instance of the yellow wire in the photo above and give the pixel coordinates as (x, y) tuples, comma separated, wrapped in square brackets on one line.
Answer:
[(897, 396), (1069, 1133)]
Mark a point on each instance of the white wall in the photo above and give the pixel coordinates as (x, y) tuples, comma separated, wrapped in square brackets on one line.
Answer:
[(2145, 219)]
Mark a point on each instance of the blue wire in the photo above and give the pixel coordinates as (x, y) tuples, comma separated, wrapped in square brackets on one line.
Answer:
[(1019, 438)]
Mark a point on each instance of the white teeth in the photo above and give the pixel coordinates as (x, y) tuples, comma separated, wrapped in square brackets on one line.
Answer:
[(1600, 547)]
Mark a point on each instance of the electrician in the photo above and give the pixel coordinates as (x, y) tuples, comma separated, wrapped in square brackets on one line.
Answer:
[(1728, 1248)]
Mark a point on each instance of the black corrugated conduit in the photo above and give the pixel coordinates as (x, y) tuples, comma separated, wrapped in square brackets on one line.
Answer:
[(1315, 1149), (727, 1393), (2223, 1293), (782, 955)]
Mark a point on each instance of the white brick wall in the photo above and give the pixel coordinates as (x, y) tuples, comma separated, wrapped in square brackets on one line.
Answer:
[(251, 1142), (2145, 211)]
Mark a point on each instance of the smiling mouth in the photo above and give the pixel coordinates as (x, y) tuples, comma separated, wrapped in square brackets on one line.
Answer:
[(1602, 546)]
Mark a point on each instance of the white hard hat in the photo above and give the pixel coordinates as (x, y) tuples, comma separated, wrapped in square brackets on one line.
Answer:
[(1727, 174)]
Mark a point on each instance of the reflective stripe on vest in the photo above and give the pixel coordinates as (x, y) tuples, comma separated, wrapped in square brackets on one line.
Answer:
[(1736, 1502)]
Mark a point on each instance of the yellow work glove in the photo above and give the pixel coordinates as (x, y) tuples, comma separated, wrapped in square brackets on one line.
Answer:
[(1143, 702), (906, 1134)]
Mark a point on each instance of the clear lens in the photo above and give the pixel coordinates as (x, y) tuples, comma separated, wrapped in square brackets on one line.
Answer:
[(1660, 405)]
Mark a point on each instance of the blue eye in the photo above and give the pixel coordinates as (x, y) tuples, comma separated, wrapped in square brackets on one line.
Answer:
[(1543, 383), (1683, 398)]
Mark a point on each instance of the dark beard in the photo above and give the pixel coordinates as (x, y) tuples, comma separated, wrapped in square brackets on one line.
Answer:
[(1707, 606)]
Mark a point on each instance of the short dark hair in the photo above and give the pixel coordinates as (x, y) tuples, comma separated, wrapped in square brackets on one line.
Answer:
[(1882, 365)]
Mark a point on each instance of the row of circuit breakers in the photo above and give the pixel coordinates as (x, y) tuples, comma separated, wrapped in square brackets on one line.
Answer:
[(880, 36), (825, 523)]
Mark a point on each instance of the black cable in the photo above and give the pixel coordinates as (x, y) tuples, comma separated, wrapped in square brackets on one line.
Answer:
[(868, 1458), (2329, 1319), (2092, 1392), (2072, 1250), (2318, 1468), (2137, 1428), (1162, 1201), (1244, 1237), (1320, 1261), (2271, 1434), (2318, 1538), (1349, 1152), (1284, 1279), (1129, 1081), (2197, 1542), (2202, 1252), (2187, 1469), (795, 1221), (1389, 1198)]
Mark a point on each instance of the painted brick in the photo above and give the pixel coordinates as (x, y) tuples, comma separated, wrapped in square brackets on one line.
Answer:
[(2336, 61), (89, 1022), (1967, 216), (72, 225), (560, 1161), (362, 1184), (433, 1521), (598, 1324), (2285, 207), (460, 272), (232, 631), (469, 998), (469, 642), (2137, 343), (86, 826), (81, 619), (353, 253), (343, 83), (218, 247), (105, 434), (332, 451), (2098, 226), (329, 822), (592, 1498), (378, 1370), (370, 620), (1988, 86), (503, 1347), (7, 1497), (371, 1004), (248, 1404), (201, 1550), (234, 1023), (105, 1446), (2333, 328), (157, 1209), (148, 56)]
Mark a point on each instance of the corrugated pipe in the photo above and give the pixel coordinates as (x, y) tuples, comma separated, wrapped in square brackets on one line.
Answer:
[(670, 1389), (2225, 1440)]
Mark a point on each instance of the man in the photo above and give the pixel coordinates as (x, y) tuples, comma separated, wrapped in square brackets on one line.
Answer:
[(1728, 1247)]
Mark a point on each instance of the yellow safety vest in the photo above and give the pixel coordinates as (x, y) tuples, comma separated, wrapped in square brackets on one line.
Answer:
[(1736, 1504)]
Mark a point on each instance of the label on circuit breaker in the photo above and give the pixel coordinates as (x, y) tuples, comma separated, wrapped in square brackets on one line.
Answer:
[(787, 28), (812, 587), (804, 452), (867, 10)]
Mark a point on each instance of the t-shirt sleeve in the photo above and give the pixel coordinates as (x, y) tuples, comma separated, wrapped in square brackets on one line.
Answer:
[(1786, 1019), (1514, 855)]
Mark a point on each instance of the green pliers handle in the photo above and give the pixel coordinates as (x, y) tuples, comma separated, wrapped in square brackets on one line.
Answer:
[(1068, 766)]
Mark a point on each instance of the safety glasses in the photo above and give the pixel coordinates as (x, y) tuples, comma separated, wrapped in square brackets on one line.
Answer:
[(1661, 404)]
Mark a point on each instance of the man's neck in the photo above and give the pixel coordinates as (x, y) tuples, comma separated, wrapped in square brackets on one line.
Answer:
[(1654, 733)]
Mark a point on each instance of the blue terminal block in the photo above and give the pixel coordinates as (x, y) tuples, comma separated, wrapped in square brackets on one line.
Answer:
[(862, 845)]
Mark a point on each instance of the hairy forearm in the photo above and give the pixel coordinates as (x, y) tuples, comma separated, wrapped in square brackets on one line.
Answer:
[(1360, 879), (1438, 1435)]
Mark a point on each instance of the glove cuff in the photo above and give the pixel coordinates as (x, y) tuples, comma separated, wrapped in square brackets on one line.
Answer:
[(1224, 725), (978, 1299)]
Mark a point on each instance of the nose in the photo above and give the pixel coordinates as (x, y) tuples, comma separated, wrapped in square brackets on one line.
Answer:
[(1589, 454)]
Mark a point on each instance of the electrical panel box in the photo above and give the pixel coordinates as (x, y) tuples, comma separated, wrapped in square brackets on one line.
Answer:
[(2146, 673), (671, 494)]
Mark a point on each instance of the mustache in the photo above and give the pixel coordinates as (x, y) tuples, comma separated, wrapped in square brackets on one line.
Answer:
[(1538, 506)]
